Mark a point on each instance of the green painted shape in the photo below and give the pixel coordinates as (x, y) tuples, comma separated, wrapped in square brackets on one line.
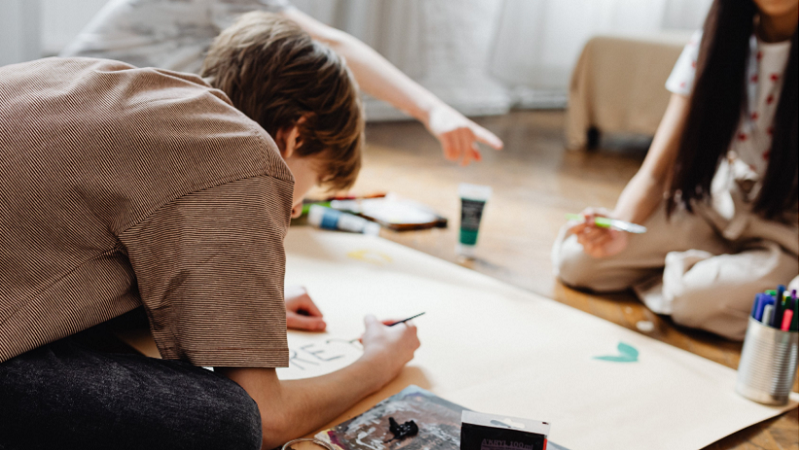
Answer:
[(626, 354)]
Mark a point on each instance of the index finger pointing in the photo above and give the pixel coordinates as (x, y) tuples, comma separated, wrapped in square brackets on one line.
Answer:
[(487, 137)]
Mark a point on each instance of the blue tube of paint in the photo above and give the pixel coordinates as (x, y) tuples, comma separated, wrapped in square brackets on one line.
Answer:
[(331, 219)]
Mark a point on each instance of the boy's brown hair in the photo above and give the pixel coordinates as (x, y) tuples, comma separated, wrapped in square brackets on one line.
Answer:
[(276, 74)]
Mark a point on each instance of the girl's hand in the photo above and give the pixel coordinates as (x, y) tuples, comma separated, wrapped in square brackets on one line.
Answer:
[(459, 136), (599, 242), (301, 312)]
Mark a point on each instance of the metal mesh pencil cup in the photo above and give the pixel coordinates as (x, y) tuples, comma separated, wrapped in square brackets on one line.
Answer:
[(768, 365)]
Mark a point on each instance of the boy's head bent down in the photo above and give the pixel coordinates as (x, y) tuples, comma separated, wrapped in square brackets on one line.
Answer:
[(299, 91)]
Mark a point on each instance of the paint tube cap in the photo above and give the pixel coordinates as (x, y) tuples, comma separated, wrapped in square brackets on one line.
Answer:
[(467, 251), (371, 229)]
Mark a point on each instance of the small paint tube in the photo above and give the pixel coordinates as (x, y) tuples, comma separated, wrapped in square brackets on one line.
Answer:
[(331, 219), (487, 431), (473, 200)]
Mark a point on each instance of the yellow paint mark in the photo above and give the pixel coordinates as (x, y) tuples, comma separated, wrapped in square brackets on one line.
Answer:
[(371, 256)]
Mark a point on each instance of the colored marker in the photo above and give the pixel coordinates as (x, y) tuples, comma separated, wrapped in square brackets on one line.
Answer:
[(779, 294), (777, 311), (787, 302), (766, 318), (614, 224), (763, 301), (793, 326), (404, 320), (755, 307), (307, 206), (787, 320)]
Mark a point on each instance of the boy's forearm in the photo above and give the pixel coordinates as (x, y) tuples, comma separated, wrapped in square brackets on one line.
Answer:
[(294, 408)]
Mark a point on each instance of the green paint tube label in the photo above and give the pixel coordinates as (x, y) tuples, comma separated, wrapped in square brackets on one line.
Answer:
[(471, 212), (468, 237)]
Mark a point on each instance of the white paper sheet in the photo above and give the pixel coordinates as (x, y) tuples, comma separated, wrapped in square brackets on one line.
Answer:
[(497, 349)]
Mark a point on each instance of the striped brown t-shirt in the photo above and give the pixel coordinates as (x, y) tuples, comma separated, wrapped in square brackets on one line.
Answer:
[(123, 187)]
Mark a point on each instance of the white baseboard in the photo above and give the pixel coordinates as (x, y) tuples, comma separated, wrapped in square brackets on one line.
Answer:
[(379, 111)]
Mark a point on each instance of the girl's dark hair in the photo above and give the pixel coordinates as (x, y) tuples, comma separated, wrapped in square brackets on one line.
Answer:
[(716, 107)]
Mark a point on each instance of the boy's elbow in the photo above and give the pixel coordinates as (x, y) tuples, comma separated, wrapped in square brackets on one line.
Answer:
[(275, 428)]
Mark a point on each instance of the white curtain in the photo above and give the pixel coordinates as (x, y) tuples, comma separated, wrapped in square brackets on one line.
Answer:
[(484, 56), (481, 56), (19, 31), (538, 41), (443, 44)]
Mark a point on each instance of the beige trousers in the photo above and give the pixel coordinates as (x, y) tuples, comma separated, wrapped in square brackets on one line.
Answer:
[(703, 269)]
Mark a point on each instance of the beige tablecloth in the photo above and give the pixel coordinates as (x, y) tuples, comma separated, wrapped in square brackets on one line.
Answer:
[(618, 85)]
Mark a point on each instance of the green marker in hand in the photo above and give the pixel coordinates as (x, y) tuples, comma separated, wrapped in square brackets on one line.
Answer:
[(614, 224)]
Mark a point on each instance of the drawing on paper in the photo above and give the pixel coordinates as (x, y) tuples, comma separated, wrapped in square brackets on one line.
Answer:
[(313, 358), (626, 354), (371, 256)]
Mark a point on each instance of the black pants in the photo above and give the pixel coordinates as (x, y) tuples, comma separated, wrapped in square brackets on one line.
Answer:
[(72, 395)]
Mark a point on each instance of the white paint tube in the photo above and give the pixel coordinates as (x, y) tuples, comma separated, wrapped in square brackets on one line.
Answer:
[(473, 200), (331, 219)]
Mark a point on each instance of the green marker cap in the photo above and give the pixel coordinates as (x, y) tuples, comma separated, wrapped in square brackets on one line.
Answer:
[(307, 206), (772, 292)]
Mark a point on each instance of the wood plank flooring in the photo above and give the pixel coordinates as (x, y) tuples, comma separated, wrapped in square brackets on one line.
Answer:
[(535, 182)]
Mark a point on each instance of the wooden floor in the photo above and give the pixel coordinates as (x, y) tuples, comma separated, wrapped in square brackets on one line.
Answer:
[(536, 182)]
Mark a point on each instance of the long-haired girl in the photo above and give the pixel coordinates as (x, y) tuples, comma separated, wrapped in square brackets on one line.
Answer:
[(718, 190)]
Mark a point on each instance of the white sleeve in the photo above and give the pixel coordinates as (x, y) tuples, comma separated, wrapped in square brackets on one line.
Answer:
[(681, 80), (168, 34)]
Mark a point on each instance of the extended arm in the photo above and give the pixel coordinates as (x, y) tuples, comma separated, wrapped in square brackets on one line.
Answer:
[(646, 189), (290, 409), (378, 77)]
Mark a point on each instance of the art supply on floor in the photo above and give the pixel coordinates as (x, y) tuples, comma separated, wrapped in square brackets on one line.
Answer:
[(357, 196), (405, 320), (402, 430), (614, 224), (393, 324), (776, 308), (766, 317), (438, 422), (768, 365), (481, 431), (307, 203), (393, 212), (473, 202), (493, 347), (331, 219), (762, 300)]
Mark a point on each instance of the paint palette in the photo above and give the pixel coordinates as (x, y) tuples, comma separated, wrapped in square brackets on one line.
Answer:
[(439, 423)]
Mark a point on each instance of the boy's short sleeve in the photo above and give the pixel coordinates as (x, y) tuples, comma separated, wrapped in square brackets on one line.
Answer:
[(210, 267), (681, 80)]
